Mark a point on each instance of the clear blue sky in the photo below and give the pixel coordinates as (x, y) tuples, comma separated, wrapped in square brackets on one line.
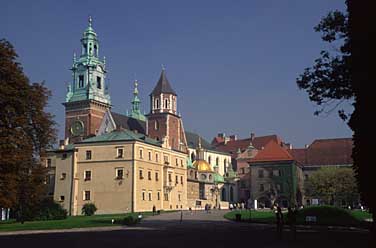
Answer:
[(233, 64)]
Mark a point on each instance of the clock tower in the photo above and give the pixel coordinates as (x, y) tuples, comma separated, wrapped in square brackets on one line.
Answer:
[(87, 98)]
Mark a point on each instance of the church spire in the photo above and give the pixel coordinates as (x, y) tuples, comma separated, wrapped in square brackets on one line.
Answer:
[(136, 112)]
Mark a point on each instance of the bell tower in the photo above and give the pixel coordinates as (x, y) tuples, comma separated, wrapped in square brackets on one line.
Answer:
[(163, 122), (87, 98)]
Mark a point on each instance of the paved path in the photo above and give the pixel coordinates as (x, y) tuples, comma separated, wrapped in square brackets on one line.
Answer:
[(196, 230)]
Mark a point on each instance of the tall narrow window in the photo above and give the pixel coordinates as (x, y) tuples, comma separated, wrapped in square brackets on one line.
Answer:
[(141, 176), (120, 152), (166, 103), (99, 82), (80, 81), (157, 103), (149, 155), (156, 176), (149, 175), (156, 157), (143, 195), (49, 163), (86, 195), (149, 196), (217, 161), (88, 155), (141, 153), (181, 180), (156, 125), (87, 175), (158, 195), (95, 50)]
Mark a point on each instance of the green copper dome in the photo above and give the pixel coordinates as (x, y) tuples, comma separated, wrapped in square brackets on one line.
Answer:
[(218, 178)]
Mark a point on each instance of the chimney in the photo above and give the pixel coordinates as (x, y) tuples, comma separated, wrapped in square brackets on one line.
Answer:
[(61, 144), (221, 135), (226, 139), (252, 136), (306, 146), (290, 146), (233, 137)]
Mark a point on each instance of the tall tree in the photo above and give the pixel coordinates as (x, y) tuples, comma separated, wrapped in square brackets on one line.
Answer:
[(333, 186), (26, 131)]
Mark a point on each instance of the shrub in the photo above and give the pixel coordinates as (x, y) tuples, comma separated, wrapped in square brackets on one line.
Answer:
[(89, 209), (130, 220), (50, 210)]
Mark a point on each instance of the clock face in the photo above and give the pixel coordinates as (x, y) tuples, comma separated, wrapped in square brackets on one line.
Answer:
[(77, 128)]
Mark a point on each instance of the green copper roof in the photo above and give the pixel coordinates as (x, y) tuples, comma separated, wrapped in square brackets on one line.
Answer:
[(218, 178), (136, 112), (231, 173), (123, 135)]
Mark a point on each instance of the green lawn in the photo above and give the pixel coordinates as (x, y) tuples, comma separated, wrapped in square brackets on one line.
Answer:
[(70, 222), (326, 215)]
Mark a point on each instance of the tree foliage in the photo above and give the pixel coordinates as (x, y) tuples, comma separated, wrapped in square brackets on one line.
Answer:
[(88, 209), (335, 186), (328, 82), (26, 131)]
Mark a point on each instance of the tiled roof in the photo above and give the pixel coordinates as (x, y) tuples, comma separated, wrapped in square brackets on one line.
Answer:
[(122, 135), (272, 152), (125, 122), (232, 146), (192, 141), (325, 152), (163, 86)]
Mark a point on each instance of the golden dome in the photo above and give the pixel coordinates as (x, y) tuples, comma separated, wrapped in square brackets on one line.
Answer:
[(202, 165)]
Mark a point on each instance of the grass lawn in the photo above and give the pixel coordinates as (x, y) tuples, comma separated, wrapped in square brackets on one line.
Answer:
[(326, 215), (68, 223)]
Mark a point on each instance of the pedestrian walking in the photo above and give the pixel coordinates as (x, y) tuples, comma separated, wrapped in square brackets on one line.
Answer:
[(291, 220), (279, 222), (154, 209)]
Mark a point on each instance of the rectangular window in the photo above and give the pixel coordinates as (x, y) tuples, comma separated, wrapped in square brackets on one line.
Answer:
[(141, 153), (62, 198), (176, 162), (242, 171), (150, 156), (261, 187), (143, 195), (120, 152), (156, 176), (149, 196), (181, 180), (156, 157), (149, 175), (88, 155), (63, 176), (176, 179), (261, 173), (48, 179), (181, 163), (169, 177), (86, 195), (49, 162), (158, 195), (166, 196), (141, 176), (87, 175), (99, 82), (80, 81), (166, 159), (119, 173), (179, 196)]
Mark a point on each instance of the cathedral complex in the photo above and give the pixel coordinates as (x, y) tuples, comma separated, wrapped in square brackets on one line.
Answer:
[(136, 162), (131, 162)]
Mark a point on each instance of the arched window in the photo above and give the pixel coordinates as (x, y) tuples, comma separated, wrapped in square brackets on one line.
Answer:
[(231, 194), (156, 125), (209, 159), (157, 103), (166, 103), (223, 195), (193, 157), (217, 161), (225, 163)]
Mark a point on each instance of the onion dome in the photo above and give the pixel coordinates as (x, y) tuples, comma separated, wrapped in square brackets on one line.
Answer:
[(202, 165)]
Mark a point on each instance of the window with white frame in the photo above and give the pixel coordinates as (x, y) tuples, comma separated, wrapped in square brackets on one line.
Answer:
[(86, 195), (150, 197), (119, 173), (87, 175), (141, 153), (120, 153)]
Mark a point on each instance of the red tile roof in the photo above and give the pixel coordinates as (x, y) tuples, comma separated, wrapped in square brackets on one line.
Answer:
[(272, 152), (325, 152), (258, 142)]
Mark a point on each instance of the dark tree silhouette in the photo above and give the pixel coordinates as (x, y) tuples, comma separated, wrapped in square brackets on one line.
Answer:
[(26, 131), (328, 82), (339, 78)]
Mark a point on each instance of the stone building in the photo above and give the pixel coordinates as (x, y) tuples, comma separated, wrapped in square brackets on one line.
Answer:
[(121, 171), (275, 177)]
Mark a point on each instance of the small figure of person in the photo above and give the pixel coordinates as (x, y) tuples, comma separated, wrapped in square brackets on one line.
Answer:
[(219, 206), (291, 220), (230, 206), (154, 209), (279, 222)]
